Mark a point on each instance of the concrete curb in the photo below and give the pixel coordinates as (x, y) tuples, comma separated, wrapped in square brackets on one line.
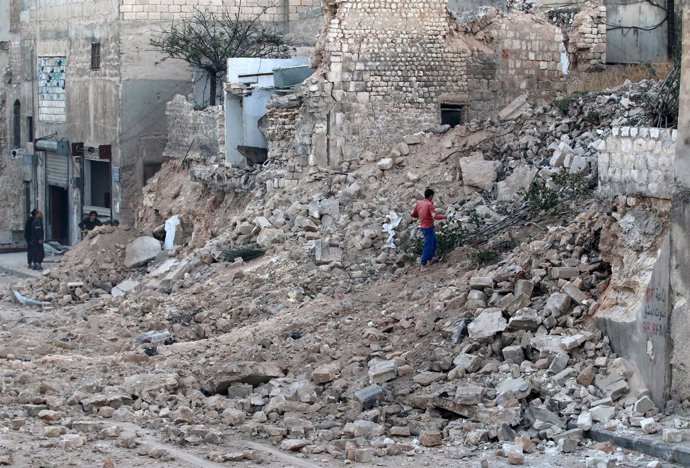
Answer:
[(674, 453), (17, 272)]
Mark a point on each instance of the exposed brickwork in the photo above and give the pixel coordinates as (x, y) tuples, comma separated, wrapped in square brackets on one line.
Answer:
[(386, 69), (587, 38), (198, 135), (156, 10), (638, 161)]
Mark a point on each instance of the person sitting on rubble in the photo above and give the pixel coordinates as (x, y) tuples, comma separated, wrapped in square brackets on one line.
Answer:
[(37, 236), (425, 211), (90, 222), (27, 237)]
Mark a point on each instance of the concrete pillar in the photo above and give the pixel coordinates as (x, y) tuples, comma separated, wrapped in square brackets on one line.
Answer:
[(680, 236)]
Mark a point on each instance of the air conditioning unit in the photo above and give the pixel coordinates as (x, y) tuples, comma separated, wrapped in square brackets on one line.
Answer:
[(17, 153)]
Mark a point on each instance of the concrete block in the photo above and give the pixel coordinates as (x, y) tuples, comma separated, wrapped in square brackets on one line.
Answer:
[(672, 436), (649, 425)]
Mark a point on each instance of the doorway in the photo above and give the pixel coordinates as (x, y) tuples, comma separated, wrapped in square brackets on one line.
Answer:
[(58, 214), (98, 191)]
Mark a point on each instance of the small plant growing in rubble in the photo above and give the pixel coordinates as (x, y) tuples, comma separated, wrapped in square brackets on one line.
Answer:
[(450, 234), (564, 103), (485, 256), (540, 197)]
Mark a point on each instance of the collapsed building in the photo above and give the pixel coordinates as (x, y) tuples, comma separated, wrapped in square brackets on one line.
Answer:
[(331, 344)]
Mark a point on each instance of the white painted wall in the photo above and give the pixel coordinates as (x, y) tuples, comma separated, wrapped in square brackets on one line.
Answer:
[(242, 113)]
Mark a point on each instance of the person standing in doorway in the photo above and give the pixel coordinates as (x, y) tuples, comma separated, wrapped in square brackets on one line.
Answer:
[(37, 236), (425, 211), (27, 237)]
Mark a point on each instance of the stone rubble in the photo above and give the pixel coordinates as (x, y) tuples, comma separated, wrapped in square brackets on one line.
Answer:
[(331, 343)]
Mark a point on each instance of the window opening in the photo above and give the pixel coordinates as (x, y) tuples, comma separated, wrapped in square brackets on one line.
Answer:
[(453, 114), (17, 125), (95, 56)]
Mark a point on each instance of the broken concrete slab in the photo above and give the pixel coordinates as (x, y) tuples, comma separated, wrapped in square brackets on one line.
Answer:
[(469, 394), (124, 287), (141, 251), (519, 388), (382, 371), (478, 172), (487, 324), (524, 319), (469, 362), (369, 396), (575, 294), (481, 282), (516, 183), (557, 304)]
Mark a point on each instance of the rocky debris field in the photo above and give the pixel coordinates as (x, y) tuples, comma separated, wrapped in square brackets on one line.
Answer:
[(332, 347), (499, 363)]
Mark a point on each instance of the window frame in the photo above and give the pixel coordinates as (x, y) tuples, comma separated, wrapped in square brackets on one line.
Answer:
[(95, 55)]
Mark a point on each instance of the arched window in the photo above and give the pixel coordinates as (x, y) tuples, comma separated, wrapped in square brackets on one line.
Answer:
[(17, 125)]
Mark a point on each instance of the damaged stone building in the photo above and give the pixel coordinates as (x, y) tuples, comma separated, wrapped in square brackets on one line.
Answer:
[(285, 308), (83, 73), (381, 75)]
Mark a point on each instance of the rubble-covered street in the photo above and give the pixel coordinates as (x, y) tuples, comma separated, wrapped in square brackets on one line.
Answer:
[(331, 347), (247, 284)]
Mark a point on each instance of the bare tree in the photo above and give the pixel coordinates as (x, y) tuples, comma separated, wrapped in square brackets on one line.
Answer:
[(205, 40)]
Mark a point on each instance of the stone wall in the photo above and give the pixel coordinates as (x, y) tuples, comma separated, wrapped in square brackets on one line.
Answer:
[(198, 138), (637, 161), (531, 61), (197, 135), (385, 70), (587, 38), (155, 10)]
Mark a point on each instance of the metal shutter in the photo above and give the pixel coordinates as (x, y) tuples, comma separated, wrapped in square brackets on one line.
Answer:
[(56, 169)]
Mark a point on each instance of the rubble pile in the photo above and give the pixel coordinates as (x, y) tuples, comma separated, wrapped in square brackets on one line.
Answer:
[(88, 270), (504, 354), (330, 343), (337, 220), (479, 169), (203, 212)]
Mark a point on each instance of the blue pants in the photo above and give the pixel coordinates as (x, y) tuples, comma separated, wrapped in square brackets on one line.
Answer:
[(429, 244)]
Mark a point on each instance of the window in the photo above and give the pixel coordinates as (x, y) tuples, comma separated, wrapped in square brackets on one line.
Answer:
[(453, 114), (95, 56), (17, 125), (30, 129)]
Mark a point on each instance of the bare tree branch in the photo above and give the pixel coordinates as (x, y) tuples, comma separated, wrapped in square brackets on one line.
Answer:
[(206, 40)]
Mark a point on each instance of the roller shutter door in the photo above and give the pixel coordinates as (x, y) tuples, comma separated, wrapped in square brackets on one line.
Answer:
[(56, 169)]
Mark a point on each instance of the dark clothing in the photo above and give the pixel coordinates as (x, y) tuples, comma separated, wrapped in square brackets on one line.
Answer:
[(87, 225), (37, 236), (27, 237)]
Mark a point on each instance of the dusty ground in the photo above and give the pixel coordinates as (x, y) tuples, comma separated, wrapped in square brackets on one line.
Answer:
[(85, 350)]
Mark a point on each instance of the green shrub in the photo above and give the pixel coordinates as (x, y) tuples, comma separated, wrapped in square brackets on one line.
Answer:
[(450, 234)]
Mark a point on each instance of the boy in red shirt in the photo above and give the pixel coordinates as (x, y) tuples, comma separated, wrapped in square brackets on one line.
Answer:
[(425, 211)]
